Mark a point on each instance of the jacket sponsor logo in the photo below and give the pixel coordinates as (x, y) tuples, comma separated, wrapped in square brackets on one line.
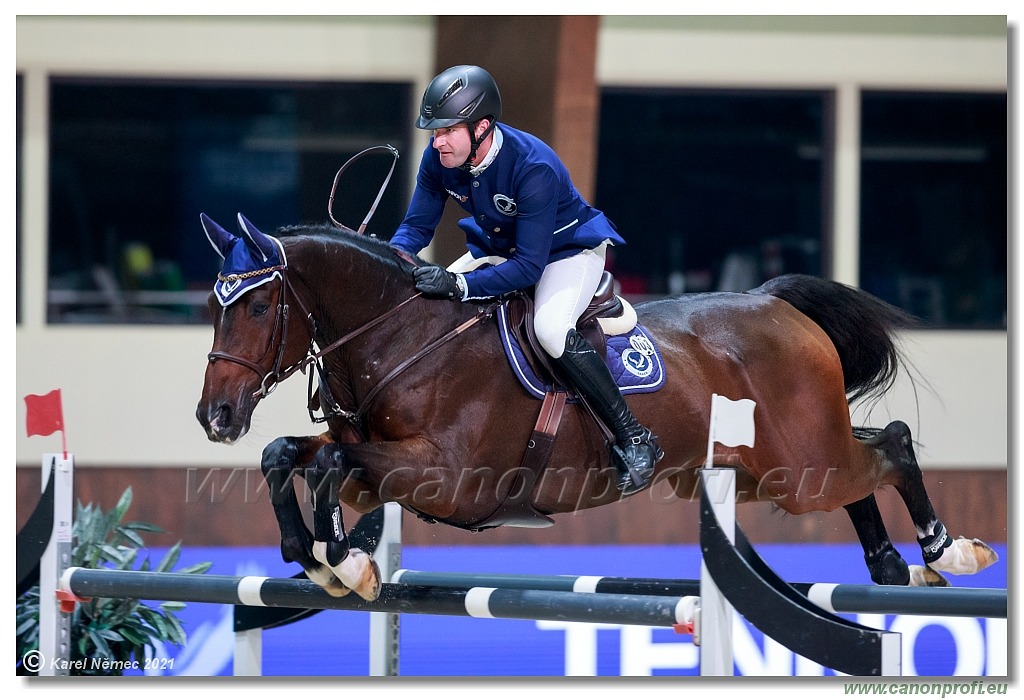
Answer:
[(454, 195)]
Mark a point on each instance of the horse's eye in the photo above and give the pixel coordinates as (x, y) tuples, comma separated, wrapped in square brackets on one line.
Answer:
[(260, 309)]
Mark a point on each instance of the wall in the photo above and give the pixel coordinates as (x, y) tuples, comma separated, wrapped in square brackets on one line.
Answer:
[(130, 392)]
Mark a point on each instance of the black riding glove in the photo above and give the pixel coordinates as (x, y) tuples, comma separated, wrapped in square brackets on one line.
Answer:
[(437, 282)]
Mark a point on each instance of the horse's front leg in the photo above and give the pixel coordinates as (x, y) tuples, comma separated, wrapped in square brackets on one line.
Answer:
[(281, 459), (354, 568)]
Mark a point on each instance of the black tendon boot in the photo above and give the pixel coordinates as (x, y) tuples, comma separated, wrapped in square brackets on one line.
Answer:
[(637, 451)]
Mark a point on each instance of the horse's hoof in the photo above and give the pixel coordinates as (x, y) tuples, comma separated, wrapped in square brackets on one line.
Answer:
[(336, 588), (983, 554), (926, 576), (368, 587), (888, 568), (374, 589), (357, 571), (964, 556), (326, 579)]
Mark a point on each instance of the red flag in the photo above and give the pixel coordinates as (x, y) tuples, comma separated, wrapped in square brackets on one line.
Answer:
[(44, 415)]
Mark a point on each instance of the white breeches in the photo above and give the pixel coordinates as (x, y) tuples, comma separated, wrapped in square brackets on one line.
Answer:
[(565, 289)]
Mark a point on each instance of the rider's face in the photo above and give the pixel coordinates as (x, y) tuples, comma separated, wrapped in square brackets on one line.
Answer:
[(453, 145)]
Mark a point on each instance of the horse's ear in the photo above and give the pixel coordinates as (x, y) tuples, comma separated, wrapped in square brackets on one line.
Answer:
[(221, 240), (259, 240)]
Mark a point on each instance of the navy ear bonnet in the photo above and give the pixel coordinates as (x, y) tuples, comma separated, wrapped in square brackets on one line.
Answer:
[(250, 260)]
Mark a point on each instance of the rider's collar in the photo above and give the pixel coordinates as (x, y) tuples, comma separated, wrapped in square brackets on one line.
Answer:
[(491, 154)]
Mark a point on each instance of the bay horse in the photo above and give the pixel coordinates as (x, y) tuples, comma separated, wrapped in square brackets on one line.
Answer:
[(421, 407)]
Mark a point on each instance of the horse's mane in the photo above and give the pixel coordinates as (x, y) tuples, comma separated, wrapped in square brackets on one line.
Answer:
[(373, 247)]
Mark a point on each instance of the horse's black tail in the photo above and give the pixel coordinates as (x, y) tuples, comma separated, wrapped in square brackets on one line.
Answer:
[(861, 327)]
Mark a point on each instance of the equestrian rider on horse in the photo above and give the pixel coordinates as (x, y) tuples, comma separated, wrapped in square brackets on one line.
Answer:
[(529, 226)]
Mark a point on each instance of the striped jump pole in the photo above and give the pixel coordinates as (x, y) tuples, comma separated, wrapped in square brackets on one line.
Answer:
[(483, 602), (834, 597)]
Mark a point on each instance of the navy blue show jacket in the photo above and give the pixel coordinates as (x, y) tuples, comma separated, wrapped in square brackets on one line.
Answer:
[(523, 207)]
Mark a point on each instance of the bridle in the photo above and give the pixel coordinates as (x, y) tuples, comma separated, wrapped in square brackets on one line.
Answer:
[(270, 379)]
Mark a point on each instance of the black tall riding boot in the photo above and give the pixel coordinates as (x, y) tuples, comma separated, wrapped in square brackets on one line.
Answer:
[(636, 450)]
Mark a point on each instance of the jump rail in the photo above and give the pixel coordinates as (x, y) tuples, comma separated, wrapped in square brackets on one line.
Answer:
[(634, 601), (833, 597), (658, 611)]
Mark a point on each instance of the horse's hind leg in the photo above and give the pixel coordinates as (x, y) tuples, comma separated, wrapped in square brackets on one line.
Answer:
[(885, 564), (940, 551), (281, 459)]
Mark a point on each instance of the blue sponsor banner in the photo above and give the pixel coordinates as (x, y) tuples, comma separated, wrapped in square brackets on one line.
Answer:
[(336, 643)]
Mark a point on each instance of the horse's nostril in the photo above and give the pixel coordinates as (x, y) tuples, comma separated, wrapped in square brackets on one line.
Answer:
[(215, 419), (223, 417)]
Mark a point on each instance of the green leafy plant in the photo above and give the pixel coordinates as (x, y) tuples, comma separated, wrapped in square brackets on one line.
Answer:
[(113, 629)]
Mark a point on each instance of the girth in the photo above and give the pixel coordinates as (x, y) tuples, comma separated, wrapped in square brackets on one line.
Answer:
[(517, 509)]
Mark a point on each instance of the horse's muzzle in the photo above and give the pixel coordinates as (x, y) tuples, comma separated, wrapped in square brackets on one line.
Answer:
[(220, 423)]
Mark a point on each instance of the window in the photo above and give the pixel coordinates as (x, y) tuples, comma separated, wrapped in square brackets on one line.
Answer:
[(933, 223), (134, 162), (713, 190)]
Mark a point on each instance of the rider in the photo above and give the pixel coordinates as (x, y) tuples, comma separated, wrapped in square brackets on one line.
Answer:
[(529, 227)]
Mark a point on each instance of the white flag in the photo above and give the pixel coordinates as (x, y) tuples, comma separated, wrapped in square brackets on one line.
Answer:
[(732, 422)]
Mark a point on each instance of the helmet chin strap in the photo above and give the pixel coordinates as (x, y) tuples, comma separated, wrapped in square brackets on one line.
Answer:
[(475, 144)]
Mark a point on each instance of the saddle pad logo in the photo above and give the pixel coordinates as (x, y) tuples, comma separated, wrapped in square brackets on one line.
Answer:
[(632, 358), (505, 204), (637, 359)]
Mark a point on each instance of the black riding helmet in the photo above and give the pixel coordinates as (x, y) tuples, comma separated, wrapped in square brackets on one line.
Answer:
[(461, 95)]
